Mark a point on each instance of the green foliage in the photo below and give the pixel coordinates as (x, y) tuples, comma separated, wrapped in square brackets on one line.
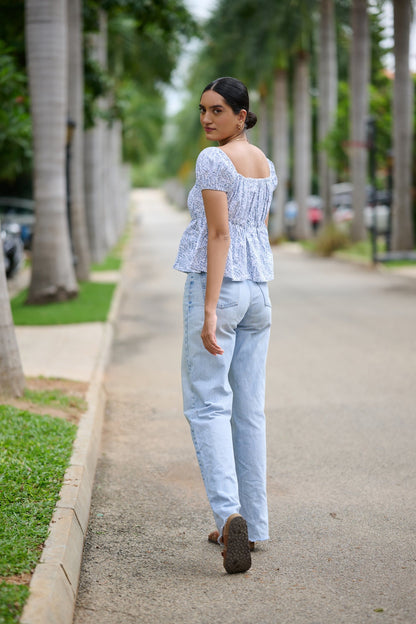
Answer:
[(91, 305), (149, 174), (329, 240), (12, 601), (143, 116), (97, 84), (34, 453), (186, 139), (144, 43), (381, 106), (15, 124), (254, 39)]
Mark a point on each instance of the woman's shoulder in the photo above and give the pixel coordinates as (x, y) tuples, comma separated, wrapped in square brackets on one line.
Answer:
[(212, 155), (214, 159)]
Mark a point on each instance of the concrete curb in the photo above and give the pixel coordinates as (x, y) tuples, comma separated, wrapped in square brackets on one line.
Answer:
[(54, 584)]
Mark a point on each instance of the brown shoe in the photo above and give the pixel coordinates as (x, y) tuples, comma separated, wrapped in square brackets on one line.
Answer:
[(213, 538), (236, 553)]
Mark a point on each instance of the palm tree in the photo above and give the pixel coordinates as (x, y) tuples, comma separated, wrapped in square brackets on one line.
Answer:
[(402, 234), (302, 143), (327, 80), (280, 150), (359, 76), (12, 380), (53, 277), (302, 21), (96, 197), (76, 114)]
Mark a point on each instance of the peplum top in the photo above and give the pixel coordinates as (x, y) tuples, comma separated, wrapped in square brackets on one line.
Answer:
[(249, 200)]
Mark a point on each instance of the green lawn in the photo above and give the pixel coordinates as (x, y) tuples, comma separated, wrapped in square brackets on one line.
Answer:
[(12, 601), (55, 398), (114, 259), (91, 305), (34, 453)]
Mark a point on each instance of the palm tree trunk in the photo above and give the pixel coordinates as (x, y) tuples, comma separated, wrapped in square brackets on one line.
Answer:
[(264, 120), (303, 142), (280, 151), (76, 165), (327, 100), (402, 222), (116, 166), (359, 74), (12, 381), (53, 277), (96, 196)]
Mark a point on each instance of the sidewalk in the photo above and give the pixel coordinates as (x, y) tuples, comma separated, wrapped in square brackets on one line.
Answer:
[(66, 351)]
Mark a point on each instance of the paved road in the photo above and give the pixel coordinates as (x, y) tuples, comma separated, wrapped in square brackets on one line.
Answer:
[(341, 407)]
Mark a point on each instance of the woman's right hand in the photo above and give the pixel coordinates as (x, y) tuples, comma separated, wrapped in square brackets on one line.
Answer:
[(208, 334)]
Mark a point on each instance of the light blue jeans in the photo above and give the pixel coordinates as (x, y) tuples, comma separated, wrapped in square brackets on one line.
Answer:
[(223, 398)]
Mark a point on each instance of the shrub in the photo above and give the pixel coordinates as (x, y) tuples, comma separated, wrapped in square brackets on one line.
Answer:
[(331, 239)]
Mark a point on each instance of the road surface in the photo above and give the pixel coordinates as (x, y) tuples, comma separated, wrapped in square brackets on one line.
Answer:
[(341, 406)]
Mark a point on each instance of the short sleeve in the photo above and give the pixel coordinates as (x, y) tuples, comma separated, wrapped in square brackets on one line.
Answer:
[(214, 171), (273, 176)]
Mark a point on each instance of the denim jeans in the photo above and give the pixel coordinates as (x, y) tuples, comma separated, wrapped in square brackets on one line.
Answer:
[(223, 398)]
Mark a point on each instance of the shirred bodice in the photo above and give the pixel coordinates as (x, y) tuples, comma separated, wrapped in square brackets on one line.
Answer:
[(249, 200)]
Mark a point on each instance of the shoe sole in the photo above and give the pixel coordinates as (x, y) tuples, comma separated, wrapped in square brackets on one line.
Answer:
[(237, 557)]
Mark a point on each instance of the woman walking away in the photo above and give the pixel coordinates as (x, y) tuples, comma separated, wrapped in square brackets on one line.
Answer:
[(226, 254)]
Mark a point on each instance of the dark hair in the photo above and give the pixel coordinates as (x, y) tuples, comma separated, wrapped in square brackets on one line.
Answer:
[(235, 94)]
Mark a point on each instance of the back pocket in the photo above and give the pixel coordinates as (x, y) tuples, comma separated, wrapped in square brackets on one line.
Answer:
[(229, 294), (264, 289)]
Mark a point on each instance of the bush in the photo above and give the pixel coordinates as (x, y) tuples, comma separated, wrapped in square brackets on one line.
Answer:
[(331, 239)]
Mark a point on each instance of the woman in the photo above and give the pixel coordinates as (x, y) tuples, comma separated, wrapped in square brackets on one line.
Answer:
[(226, 254)]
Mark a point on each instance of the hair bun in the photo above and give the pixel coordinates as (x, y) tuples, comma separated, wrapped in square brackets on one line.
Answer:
[(251, 120)]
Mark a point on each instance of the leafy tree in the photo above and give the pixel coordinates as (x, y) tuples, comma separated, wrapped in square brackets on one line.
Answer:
[(15, 124)]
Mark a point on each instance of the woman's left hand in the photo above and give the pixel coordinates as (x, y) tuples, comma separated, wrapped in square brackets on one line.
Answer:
[(208, 334)]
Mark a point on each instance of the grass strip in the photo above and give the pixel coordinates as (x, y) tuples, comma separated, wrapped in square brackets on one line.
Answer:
[(114, 259), (111, 263), (399, 263), (55, 398), (12, 601), (91, 305), (34, 453)]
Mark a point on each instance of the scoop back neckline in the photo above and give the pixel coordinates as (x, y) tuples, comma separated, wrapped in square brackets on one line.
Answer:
[(240, 174)]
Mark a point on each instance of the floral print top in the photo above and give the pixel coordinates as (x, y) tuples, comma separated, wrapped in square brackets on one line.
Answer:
[(249, 200)]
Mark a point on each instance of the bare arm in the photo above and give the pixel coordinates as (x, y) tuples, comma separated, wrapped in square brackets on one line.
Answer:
[(216, 210)]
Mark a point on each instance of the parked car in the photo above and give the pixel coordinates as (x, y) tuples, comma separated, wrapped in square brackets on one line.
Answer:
[(12, 248), (315, 216), (342, 202), (22, 212), (378, 214)]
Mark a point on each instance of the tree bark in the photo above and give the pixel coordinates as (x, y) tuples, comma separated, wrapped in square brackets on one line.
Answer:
[(359, 75), (327, 100), (76, 114), (264, 120), (96, 183), (53, 277), (12, 381), (402, 221), (303, 143), (280, 151)]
